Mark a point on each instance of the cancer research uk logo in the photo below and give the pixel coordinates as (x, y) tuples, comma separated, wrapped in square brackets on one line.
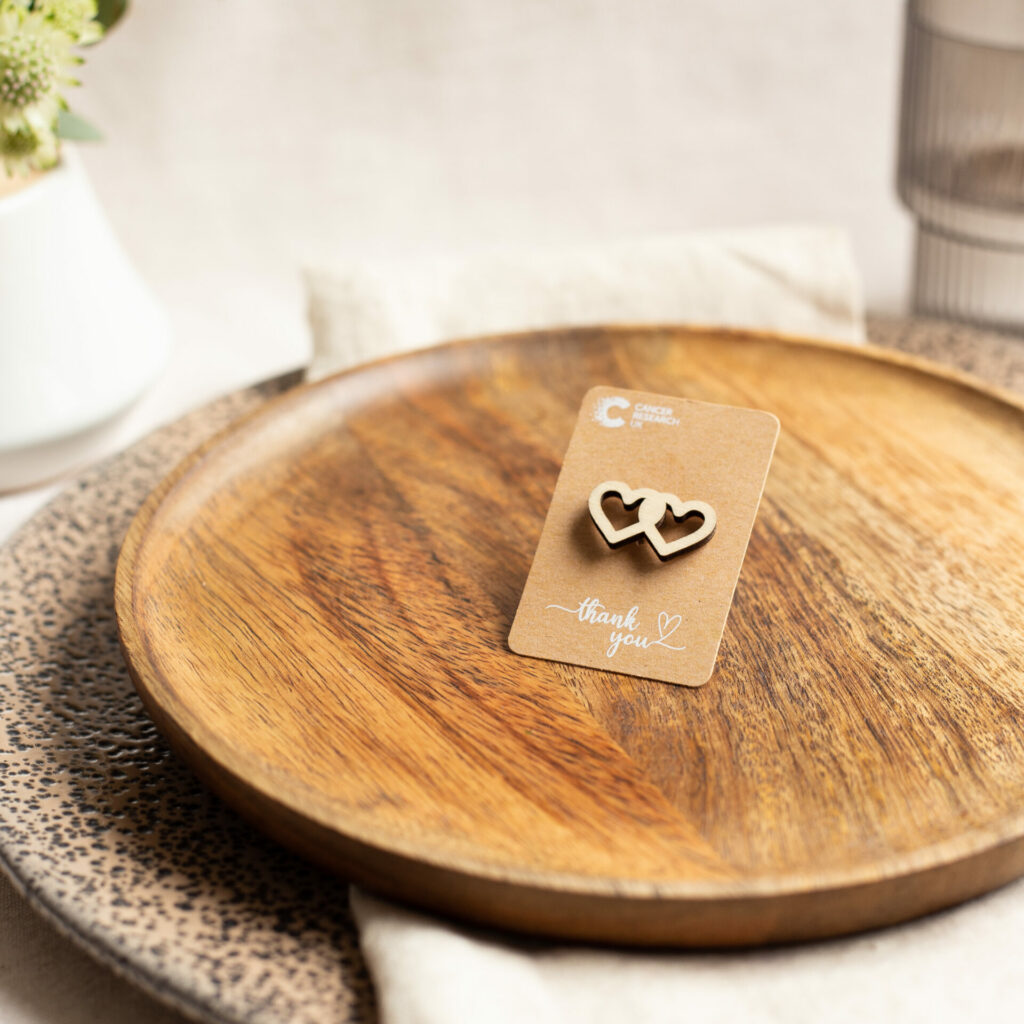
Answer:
[(604, 407), (606, 413)]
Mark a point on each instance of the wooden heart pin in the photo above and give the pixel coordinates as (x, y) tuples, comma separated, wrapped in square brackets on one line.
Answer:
[(654, 508)]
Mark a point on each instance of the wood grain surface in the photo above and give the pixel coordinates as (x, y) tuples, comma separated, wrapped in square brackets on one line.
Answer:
[(315, 609)]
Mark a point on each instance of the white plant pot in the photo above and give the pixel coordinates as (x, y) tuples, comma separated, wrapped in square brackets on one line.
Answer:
[(81, 337)]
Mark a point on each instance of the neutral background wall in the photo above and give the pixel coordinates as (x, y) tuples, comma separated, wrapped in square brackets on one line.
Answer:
[(248, 137)]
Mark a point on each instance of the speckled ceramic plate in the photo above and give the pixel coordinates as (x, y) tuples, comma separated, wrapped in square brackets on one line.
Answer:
[(110, 835), (103, 828)]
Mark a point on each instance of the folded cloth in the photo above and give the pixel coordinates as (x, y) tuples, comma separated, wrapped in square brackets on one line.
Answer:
[(795, 280), (957, 966), (799, 280)]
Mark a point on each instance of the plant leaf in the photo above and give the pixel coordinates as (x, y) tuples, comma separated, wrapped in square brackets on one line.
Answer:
[(71, 126), (109, 12)]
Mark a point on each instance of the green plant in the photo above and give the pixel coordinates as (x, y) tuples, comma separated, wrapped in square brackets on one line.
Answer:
[(38, 51)]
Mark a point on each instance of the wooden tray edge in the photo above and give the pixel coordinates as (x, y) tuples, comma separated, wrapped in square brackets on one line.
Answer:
[(929, 879)]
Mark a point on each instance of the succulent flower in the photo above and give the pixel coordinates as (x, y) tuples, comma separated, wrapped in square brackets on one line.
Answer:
[(75, 17), (24, 150), (34, 56), (36, 59)]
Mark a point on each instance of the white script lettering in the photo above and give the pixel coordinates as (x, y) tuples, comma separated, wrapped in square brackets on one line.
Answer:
[(625, 631)]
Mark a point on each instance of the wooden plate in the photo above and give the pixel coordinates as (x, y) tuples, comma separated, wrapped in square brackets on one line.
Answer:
[(315, 606)]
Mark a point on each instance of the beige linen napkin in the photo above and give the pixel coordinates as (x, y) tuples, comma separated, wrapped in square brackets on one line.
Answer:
[(959, 966), (796, 280), (800, 280)]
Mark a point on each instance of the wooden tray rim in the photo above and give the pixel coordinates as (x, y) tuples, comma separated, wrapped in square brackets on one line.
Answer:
[(198, 744)]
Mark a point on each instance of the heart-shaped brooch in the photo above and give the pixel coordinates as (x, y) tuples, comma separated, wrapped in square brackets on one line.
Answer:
[(655, 508)]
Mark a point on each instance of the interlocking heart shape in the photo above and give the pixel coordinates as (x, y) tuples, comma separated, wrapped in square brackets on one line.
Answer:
[(654, 507)]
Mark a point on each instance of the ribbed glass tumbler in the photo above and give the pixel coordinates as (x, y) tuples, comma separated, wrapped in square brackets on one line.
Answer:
[(961, 157)]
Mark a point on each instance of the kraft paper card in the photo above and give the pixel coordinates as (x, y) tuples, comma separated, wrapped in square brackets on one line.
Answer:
[(644, 540)]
